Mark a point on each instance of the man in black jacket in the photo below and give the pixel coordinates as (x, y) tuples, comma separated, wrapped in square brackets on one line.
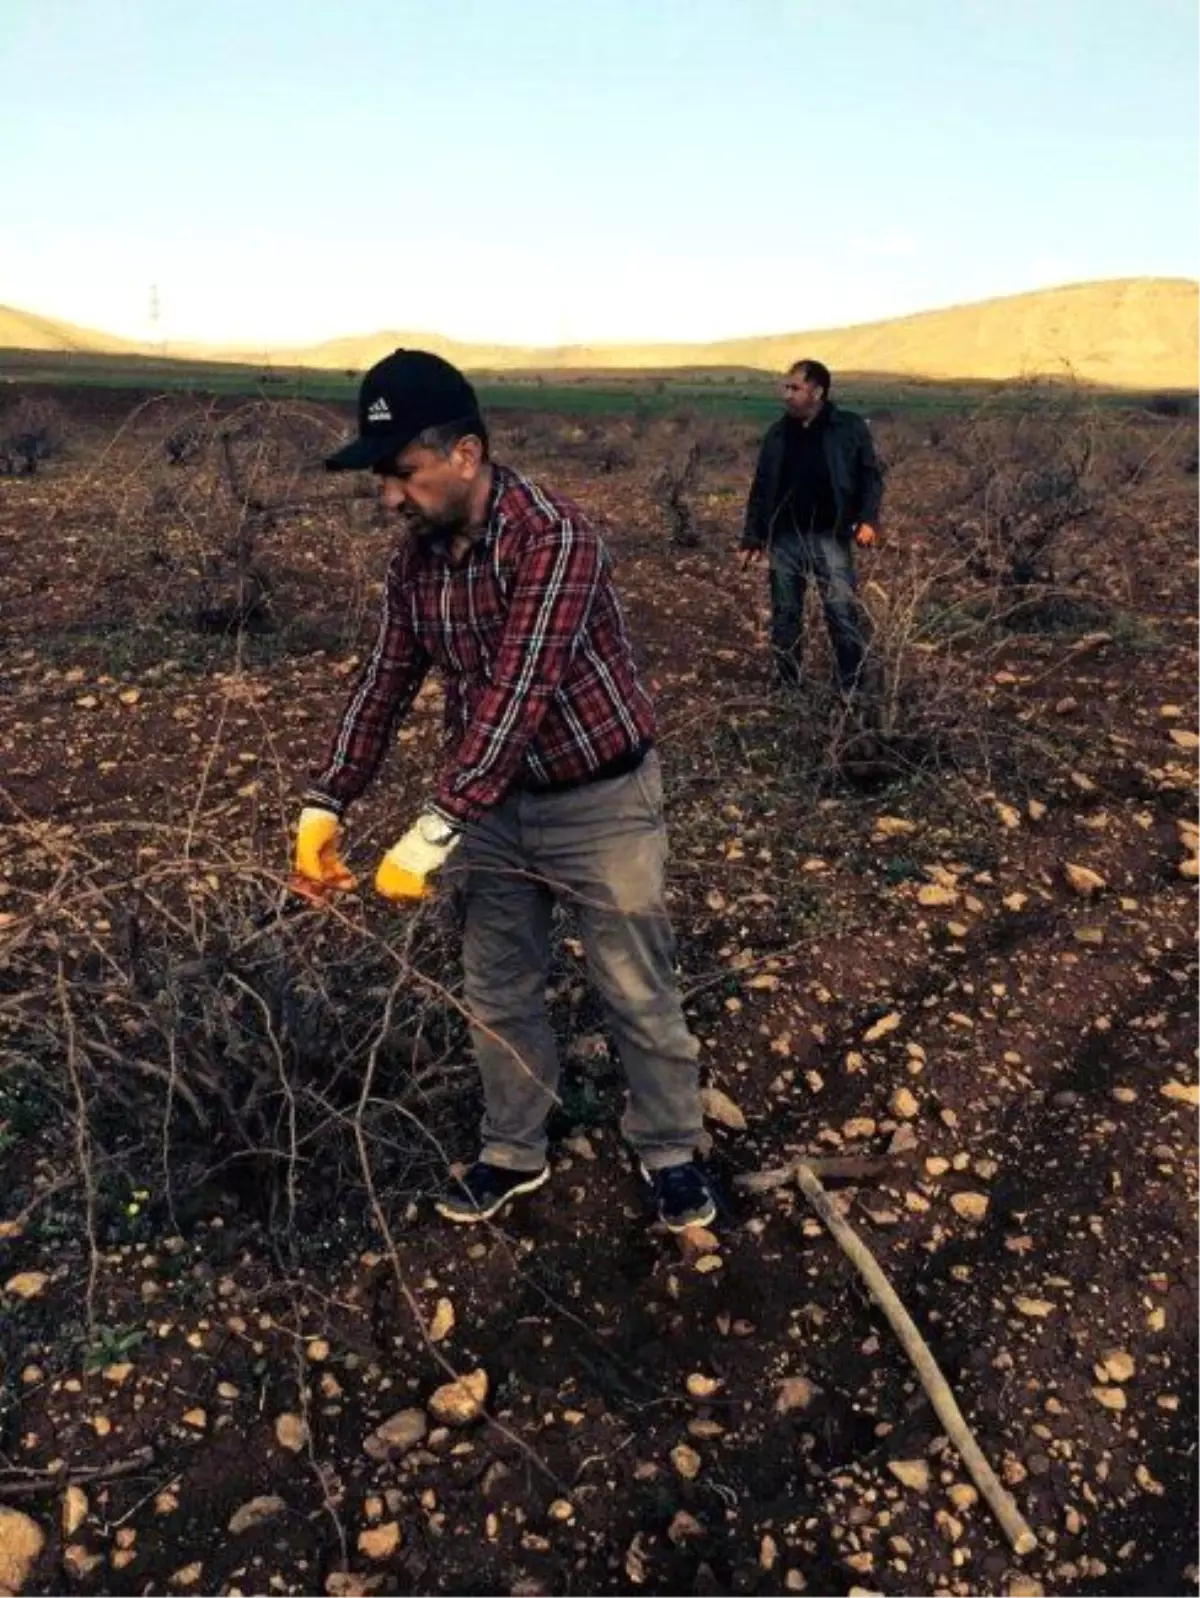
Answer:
[(816, 493)]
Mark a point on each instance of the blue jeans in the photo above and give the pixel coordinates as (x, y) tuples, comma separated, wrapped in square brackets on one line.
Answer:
[(601, 848), (796, 557)]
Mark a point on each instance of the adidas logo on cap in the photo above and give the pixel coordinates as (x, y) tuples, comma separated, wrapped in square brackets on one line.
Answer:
[(379, 411)]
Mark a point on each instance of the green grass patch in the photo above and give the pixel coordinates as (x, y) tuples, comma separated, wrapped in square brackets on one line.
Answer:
[(710, 392)]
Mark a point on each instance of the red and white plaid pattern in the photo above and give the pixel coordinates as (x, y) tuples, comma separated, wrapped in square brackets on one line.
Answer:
[(541, 685)]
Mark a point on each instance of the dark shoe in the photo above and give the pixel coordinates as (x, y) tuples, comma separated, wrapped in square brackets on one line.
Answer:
[(682, 1195), (484, 1191)]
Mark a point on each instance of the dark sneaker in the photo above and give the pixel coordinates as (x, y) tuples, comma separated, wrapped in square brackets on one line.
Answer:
[(682, 1195), (484, 1191)]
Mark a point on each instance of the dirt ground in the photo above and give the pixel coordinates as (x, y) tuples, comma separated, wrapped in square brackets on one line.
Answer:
[(953, 935)]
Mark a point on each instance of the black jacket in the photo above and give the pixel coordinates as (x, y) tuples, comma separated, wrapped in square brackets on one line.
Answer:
[(854, 473)]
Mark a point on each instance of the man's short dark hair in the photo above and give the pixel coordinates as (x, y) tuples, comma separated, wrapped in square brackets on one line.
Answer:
[(445, 435), (814, 372)]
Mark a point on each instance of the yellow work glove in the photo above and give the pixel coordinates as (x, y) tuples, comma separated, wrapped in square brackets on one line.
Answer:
[(318, 865), (405, 870)]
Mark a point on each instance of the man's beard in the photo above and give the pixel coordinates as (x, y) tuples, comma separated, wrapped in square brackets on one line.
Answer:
[(428, 529)]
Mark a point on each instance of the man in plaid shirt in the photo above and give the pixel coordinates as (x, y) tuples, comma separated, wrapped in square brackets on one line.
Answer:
[(552, 788)]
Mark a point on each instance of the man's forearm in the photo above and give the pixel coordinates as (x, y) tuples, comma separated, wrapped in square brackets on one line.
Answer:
[(382, 696)]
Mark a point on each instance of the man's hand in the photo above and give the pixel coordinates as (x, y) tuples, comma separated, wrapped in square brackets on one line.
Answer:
[(405, 870), (318, 865), (751, 557), (866, 535)]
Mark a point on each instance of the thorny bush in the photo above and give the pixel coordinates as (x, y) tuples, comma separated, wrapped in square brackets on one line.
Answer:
[(193, 1023), (31, 431)]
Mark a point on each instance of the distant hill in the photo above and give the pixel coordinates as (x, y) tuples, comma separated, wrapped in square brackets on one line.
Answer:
[(1127, 333), (25, 330)]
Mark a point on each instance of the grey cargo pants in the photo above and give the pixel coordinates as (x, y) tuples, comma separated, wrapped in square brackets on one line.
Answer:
[(601, 848)]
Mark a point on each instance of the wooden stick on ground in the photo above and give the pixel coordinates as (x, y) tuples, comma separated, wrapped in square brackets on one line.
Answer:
[(835, 1167), (28, 1483), (1014, 1525)]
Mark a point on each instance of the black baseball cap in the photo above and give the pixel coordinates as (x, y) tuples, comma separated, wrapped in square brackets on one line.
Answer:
[(402, 395)]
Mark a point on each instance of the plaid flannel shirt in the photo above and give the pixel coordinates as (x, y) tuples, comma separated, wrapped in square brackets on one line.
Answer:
[(541, 685)]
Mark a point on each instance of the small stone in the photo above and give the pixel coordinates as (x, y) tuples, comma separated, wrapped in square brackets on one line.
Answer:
[(684, 1528), (857, 1128), (562, 1509), (768, 1552), (254, 1512), (705, 1430), (913, 1473), (74, 1511), (1084, 880), (1182, 1093), (397, 1435), (1184, 738), (949, 1525), (459, 1403), (1008, 816), (698, 1240), (934, 895), (27, 1284), (904, 1104), (963, 1496), (442, 1323), (903, 1140), (1036, 1308), (1036, 810), (793, 1393), (379, 1542), (291, 1432), (881, 1028), (318, 1350), (187, 1575), (971, 1206), (1109, 1397), (719, 1107), (21, 1542), (1025, 1587), (78, 1562), (195, 1418), (687, 1461), (1118, 1365), (701, 1386), (936, 1165), (894, 826)]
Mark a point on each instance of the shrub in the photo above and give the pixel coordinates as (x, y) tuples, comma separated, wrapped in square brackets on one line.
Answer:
[(31, 431), (1176, 405)]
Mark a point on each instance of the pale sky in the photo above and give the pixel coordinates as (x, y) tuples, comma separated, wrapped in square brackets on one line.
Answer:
[(547, 171)]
